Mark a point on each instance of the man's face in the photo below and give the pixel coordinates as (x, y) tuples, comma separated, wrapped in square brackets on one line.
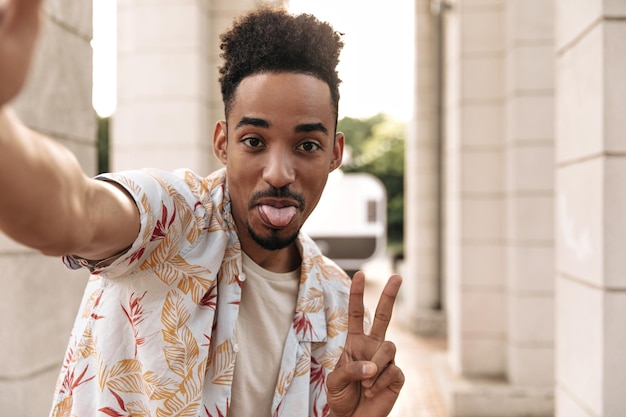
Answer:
[(279, 146)]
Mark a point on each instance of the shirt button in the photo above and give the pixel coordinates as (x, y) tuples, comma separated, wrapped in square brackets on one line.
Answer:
[(236, 347), (242, 277)]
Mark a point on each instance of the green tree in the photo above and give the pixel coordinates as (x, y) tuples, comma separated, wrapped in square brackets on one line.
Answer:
[(376, 145)]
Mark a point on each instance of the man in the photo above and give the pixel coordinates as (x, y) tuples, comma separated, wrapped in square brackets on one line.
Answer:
[(205, 298)]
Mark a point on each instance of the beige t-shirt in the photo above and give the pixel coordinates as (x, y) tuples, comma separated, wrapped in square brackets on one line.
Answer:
[(266, 312)]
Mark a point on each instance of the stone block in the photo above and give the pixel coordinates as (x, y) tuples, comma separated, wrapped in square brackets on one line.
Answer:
[(482, 125), (483, 356), (530, 268), (38, 303), (483, 312), (530, 68), (566, 405), (482, 219), (531, 218), (482, 31), (482, 79), (29, 396), (577, 16), (580, 221), (580, 341), (483, 265), (614, 223), (531, 118), (160, 75), (172, 27), (162, 123), (481, 172), (581, 119), (530, 21), (614, 85), (531, 318), (614, 347), (530, 169), (530, 365)]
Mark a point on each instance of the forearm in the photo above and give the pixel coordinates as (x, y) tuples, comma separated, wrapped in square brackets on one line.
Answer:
[(42, 189)]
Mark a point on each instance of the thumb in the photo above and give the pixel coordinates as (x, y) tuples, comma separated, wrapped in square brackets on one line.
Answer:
[(346, 374)]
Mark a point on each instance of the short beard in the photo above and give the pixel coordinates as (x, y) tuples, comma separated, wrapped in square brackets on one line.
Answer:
[(273, 241)]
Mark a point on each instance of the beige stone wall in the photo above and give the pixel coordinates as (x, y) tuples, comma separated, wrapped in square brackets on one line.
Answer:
[(39, 296), (590, 207)]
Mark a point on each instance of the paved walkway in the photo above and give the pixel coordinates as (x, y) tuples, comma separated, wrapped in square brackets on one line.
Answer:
[(419, 396)]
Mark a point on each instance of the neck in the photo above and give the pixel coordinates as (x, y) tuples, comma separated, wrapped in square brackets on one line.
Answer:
[(280, 261)]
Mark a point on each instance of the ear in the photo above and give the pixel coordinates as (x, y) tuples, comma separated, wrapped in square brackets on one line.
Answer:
[(220, 141), (337, 151)]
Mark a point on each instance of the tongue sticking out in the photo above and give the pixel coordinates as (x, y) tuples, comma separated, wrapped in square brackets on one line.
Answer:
[(277, 217)]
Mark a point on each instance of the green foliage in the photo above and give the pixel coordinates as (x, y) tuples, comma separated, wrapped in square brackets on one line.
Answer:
[(376, 145)]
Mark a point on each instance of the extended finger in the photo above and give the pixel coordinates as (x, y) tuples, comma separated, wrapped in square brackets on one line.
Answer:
[(383, 358), (385, 307), (355, 304)]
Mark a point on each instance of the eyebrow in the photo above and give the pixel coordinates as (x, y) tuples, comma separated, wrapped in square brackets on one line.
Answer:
[(311, 127), (252, 121), (301, 128)]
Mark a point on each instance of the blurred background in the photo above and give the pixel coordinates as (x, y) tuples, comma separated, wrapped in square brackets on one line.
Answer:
[(486, 141)]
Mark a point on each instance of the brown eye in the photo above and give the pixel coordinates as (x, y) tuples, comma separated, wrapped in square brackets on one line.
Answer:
[(309, 146), (252, 142)]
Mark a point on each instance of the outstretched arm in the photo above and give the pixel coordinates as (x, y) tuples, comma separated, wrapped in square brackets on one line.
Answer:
[(366, 381), (46, 201)]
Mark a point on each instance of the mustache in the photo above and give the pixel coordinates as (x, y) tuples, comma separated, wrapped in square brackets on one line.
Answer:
[(280, 193)]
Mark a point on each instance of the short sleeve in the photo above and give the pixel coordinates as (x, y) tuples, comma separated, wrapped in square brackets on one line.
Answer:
[(172, 218)]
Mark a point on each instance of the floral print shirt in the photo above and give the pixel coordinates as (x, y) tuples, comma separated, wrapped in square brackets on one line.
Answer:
[(155, 334)]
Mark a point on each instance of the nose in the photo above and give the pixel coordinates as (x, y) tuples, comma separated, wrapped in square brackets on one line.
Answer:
[(279, 169)]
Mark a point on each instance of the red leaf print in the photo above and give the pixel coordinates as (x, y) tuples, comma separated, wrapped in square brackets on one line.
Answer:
[(135, 316), (110, 412), (219, 412), (136, 256), (160, 230), (119, 399), (302, 324), (318, 377), (210, 297)]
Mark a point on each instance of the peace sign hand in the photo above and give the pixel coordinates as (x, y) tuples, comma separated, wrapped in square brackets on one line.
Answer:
[(366, 382)]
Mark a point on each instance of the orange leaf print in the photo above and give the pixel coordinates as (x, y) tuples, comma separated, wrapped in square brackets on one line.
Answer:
[(312, 301), (125, 376), (181, 348), (221, 361), (63, 409), (158, 387), (337, 322)]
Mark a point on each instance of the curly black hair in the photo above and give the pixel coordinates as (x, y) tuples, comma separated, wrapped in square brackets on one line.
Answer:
[(272, 40)]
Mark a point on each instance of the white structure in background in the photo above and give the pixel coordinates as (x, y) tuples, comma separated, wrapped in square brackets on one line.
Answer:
[(350, 221)]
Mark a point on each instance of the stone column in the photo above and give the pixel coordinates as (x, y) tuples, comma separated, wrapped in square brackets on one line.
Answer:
[(475, 229), (168, 95), (162, 116), (590, 207), (40, 297), (530, 190), (499, 208), (421, 302)]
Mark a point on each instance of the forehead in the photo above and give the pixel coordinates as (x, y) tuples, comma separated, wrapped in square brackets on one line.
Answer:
[(283, 96)]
